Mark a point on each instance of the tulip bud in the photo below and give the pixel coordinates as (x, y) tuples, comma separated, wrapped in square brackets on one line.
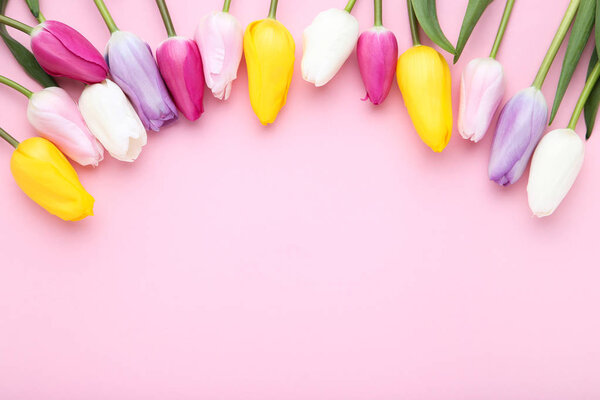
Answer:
[(112, 119), (45, 175), (520, 126), (62, 51), (220, 39), (56, 117), (327, 43), (269, 49), (180, 64), (424, 79), (377, 52), (481, 90), (133, 68), (554, 167)]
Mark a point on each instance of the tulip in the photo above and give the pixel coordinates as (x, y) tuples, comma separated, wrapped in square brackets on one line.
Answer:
[(62, 51), (520, 127), (220, 39), (523, 119), (45, 175), (56, 117), (112, 119), (554, 167), (269, 50), (134, 69), (481, 91), (327, 44), (180, 64), (377, 52), (424, 80)]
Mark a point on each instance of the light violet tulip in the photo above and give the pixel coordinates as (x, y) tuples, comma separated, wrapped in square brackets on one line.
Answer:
[(220, 38), (327, 44), (180, 64), (134, 69), (520, 127), (377, 52), (112, 119), (554, 167), (62, 51), (481, 90), (56, 117)]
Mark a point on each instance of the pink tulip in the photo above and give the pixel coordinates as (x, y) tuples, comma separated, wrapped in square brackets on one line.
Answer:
[(377, 52), (56, 117), (62, 51), (220, 39), (481, 91), (180, 65)]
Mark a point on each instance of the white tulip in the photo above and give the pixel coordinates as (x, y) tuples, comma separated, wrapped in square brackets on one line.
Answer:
[(555, 165), (112, 119), (327, 43)]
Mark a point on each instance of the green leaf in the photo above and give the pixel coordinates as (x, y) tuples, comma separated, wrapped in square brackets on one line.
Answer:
[(426, 13), (580, 34), (598, 25), (591, 106), (23, 56), (475, 9), (34, 6)]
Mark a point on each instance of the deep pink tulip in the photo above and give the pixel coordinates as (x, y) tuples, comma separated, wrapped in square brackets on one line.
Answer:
[(377, 52), (62, 51), (180, 65)]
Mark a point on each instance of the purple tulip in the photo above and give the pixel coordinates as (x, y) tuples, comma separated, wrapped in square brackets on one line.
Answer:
[(520, 127), (134, 69), (62, 51), (377, 52), (180, 64)]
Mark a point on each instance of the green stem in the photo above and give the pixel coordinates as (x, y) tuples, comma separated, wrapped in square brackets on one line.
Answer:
[(108, 19), (503, 23), (556, 42), (41, 17), (350, 5), (6, 136), (226, 5), (414, 25), (166, 17), (378, 12), (16, 24), (273, 9), (585, 93), (12, 84)]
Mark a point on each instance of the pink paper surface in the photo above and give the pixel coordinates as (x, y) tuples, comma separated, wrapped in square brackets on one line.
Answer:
[(331, 255)]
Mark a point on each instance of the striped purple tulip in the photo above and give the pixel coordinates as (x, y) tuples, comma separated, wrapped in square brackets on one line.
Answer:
[(62, 51), (520, 127), (134, 69), (181, 67), (377, 52)]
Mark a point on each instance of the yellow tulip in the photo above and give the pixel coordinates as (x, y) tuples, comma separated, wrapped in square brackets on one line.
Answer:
[(45, 175), (424, 80), (269, 50)]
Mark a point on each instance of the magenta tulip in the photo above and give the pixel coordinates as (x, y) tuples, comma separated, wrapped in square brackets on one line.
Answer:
[(180, 65), (64, 52), (377, 51)]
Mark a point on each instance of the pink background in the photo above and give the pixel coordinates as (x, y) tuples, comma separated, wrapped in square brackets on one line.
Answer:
[(329, 256)]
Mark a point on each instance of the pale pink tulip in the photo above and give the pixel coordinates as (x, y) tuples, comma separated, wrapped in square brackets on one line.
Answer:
[(481, 91), (56, 117), (220, 39)]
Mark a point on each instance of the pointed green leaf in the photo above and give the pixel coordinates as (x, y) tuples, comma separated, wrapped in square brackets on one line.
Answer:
[(580, 34), (598, 25), (475, 9), (34, 6), (24, 56), (591, 106), (426, 13)]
